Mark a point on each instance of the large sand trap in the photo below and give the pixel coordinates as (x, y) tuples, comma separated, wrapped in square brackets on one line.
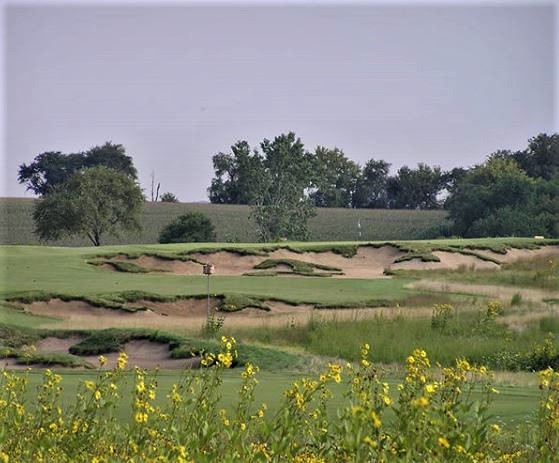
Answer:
[(369, 262), (147, 354), (141, 353), (448, 261)]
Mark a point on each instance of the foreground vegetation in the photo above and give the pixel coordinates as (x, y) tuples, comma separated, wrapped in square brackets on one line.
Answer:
[(430, 416)]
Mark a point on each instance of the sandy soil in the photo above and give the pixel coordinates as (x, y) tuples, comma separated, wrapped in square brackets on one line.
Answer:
[(448, 260), (147, 354), (57, 345)]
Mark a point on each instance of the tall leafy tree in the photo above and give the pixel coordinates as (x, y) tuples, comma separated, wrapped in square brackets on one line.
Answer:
[(371, 185), (236, 175), (492, 199), (95, 202), (335, 176), (415, 188), (541, 158), (53, 168), (281, 208)]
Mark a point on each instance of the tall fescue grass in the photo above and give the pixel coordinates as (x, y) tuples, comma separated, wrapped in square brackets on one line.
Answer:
[(470, 335), (233, 225)]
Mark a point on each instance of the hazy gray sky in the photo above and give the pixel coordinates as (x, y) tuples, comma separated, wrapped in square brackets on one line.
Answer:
[(176, 84)]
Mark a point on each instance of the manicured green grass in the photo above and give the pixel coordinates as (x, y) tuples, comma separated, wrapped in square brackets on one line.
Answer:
[(20, 318), (65, 270), (233, 225)]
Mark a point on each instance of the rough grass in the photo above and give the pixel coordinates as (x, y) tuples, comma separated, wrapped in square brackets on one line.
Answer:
[(538, 272), (392, 338)]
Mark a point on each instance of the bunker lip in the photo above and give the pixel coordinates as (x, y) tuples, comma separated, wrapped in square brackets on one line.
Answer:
[(368, 262)]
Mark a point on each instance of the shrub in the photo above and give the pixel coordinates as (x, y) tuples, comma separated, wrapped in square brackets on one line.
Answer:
[(192, 227), (168, 198), (439, 317)]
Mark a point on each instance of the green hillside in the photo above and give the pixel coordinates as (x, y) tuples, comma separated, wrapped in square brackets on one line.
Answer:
[(233, 224)]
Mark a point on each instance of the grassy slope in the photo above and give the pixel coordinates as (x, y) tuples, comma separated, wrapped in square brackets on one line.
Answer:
[(232, 223)]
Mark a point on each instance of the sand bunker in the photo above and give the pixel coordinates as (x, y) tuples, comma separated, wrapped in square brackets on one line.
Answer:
[(141, 354), (448, 261), (147, 354), (369, 262)]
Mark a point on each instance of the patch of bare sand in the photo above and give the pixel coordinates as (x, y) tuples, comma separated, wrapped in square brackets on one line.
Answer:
[(368, 262), (147, 354), (141, 353), (229, 263), (448, 260), (514, 254), (495, 291), (57, 345), (163, 265), (79, 314)]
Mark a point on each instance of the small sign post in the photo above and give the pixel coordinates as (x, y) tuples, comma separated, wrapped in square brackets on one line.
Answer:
[(208, 269)]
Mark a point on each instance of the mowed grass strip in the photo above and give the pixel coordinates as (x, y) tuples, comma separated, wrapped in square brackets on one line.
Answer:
[(232, 223)]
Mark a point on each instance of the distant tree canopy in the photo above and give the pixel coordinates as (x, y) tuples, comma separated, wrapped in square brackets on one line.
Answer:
[(54, 168), (512, 193), (93, 203), (335, 177), (236, 175)]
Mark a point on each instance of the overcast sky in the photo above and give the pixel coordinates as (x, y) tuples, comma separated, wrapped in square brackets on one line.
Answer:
[(444, 85)]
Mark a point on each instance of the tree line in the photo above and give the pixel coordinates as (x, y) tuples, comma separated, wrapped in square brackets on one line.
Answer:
[(96, 192), (510, 193), (330, 178)]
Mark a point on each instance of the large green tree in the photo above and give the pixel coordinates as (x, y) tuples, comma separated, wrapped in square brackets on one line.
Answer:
[(281, 207), (236, 175), (495, 198), (371, 185), (94, 202), (53, 168), (416, 188), (335, 177)]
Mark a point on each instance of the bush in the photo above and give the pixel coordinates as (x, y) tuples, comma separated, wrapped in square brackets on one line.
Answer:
[(192, 227), (168, 198)]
